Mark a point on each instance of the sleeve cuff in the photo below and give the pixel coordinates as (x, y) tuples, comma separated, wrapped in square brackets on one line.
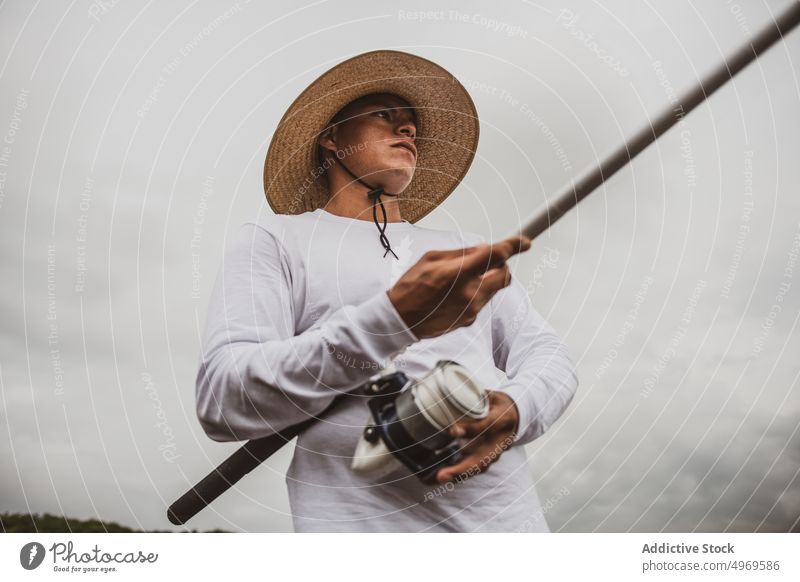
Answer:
[(517, 393), (398, 324)]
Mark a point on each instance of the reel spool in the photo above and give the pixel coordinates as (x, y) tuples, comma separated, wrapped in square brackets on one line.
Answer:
[(410, 419)]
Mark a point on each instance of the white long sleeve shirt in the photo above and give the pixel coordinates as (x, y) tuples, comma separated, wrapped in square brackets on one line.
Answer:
[(300, 314)]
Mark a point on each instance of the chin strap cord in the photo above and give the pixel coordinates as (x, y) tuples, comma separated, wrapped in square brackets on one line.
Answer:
[(374, 194)]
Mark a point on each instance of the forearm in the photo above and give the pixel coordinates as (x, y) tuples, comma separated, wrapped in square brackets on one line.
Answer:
[(248, 389), (542, 389), (541, 377)]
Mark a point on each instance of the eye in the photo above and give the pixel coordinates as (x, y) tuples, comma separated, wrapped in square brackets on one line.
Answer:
[(382, 112)]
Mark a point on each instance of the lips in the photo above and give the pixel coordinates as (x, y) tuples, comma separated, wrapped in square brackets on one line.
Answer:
[(407, 145)]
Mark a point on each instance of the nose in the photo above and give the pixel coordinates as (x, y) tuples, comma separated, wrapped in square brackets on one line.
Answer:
[(408, 129)]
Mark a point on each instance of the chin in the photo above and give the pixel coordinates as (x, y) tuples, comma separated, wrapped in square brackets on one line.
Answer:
[(397, 179)]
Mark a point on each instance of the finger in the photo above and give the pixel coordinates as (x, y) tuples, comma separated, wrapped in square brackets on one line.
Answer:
[(495, 255), (497, 419), (471, 464), (494, 429), (501, 441), (487, 285), (472, 428), (495, 279), (454, 253)]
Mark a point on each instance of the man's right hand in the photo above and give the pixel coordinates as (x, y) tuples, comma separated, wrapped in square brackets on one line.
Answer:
[(446, 290)]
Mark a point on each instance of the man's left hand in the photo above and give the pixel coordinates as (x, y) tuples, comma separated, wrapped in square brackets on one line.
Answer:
[(486, 438)]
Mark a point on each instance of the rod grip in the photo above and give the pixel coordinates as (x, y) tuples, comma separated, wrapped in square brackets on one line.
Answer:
[(231, 470)]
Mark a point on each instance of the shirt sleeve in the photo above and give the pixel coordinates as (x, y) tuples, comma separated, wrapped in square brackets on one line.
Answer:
[(541, 377), (256, 376)]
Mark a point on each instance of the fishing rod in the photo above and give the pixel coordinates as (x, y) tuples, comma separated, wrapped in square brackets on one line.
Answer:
[(256, 451), (579, 189)]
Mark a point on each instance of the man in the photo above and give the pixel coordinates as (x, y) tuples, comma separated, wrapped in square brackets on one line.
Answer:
[(312, 301)]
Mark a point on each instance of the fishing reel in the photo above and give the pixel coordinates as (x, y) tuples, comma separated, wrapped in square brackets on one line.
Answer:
[(409, 420)]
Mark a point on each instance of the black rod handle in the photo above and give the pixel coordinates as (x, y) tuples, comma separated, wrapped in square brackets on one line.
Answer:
[(231, 470)]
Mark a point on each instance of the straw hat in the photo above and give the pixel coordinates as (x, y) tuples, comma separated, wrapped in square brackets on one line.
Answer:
[(447, 131)]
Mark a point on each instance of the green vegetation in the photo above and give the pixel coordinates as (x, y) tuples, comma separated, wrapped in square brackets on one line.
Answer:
[(47, 523)]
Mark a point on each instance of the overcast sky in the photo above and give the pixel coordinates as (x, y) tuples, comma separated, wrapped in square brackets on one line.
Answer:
[(133, 142)]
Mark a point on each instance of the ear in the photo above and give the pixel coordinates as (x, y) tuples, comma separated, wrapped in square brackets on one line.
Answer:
[(327, 139)]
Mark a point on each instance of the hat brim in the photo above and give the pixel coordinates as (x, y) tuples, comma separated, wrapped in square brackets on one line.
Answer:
[(447, 131)]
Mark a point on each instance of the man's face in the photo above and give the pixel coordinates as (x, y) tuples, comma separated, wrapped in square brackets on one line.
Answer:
[(374, 138)]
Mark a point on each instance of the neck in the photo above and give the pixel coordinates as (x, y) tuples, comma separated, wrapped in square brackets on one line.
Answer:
[(349, 198)]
